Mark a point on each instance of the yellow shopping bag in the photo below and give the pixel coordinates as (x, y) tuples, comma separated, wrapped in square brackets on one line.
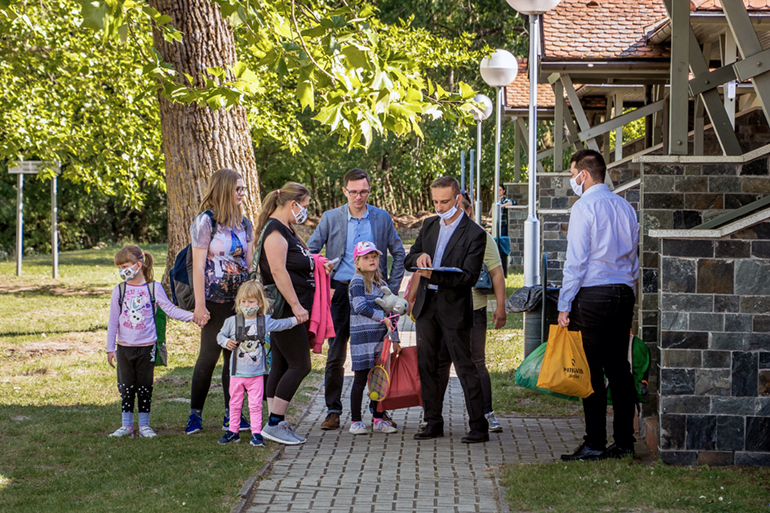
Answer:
[(565, 367)]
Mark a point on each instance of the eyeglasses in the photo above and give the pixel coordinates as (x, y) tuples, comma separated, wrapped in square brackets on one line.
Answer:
[(362, 193)]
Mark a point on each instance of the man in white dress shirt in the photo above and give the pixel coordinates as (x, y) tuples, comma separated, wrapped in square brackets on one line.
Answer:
[(597, 299)]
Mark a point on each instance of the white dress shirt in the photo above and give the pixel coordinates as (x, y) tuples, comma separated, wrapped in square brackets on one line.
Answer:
[(444, 234), (602, 244)]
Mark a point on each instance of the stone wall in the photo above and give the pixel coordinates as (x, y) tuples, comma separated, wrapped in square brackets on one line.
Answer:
[(714, 405)]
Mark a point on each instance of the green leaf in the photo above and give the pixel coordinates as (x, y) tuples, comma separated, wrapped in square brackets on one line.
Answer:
[(467, 91), (94, 14), (356, 57), (123, 33), (305, 95)]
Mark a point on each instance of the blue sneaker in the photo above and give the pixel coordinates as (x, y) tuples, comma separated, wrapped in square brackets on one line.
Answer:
[(230, 437), (257, 441), (245, 426), (194, 424)]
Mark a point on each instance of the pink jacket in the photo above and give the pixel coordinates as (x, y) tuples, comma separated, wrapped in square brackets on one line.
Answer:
[(321, 327)]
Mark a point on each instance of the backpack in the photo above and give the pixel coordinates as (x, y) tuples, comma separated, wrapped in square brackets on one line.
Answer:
[(248, 343), (180, 277), (159, 352)]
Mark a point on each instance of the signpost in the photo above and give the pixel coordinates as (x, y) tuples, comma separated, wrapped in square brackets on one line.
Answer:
[(33, 167)]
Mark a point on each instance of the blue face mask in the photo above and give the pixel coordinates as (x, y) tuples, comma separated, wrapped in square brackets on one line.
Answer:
[(249, 311)]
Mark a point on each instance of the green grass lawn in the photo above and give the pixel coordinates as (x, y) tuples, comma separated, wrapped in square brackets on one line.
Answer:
[(58, 401)]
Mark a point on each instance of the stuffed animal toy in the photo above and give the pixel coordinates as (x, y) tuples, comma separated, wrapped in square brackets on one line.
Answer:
[(391, 303)]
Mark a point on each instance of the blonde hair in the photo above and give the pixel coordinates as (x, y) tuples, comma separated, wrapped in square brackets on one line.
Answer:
[(131, 255), (370, 278), (220, 198), (252, 290)]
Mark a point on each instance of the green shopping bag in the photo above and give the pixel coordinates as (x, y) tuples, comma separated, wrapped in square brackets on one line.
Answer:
[(529, 370)]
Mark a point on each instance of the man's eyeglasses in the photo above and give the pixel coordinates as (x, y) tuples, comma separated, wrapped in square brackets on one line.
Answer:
[(362, 193)]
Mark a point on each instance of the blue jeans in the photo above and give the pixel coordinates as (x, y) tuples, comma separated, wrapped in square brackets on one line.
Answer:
[(603, 315)]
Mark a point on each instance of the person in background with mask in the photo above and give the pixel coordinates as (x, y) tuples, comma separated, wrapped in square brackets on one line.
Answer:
[(286, 262), (444, 306), (597, 299), (340, 230)]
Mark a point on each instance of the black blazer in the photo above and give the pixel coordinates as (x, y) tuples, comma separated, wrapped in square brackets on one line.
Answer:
[(464, 250)]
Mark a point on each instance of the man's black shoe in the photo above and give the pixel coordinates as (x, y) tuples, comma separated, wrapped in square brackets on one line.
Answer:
[(613, 451), (475, 437), (584, 453), (430, 431)]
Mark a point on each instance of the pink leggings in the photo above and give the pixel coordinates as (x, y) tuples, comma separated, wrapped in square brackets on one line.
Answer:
[(254, 387)]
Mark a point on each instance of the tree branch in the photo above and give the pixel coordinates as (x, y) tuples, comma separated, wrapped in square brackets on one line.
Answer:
[(304, 46)]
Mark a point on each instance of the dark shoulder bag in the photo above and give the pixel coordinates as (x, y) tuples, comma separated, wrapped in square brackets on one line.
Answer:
[(271, 291), (484, 285)]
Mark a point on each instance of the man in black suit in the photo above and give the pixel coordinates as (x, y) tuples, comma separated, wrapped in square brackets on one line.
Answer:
[(444, 306)]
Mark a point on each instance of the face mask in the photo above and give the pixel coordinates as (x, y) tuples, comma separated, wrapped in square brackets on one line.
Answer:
[(249, 311), (301, 217), (449, 213), (577, 189), (128, 273)]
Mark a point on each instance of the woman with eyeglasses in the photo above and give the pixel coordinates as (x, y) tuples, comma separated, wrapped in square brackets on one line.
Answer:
[(222, 249)]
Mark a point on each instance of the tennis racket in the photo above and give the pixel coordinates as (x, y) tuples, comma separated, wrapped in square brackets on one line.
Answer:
[(378, 380)]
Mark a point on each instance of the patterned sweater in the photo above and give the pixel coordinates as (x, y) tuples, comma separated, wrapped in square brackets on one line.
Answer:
[(367, 331)]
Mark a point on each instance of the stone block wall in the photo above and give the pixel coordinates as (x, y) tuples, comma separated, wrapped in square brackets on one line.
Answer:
[(714, 393)]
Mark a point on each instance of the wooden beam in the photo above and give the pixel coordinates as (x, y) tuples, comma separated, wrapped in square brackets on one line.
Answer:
[(618, 130), (712, 102), (605, 138), (525, 139), (748, 45), (711, 80), (517, 152), (619, 121), (558, 128), (577, 108), (680, 69), (728, 58)]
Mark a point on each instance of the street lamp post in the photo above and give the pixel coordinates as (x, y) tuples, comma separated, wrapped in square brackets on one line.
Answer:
[(480, 115), (498, 70), (532, 320), (534, 9)]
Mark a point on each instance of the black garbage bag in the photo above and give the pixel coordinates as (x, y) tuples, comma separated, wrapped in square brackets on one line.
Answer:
[(527, 299)]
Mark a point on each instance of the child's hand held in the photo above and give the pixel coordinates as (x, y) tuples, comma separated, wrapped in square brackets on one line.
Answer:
[(231, 344)]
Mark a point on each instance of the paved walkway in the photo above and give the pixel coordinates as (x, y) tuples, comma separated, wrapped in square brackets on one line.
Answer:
[(335, 471), (339, 472)]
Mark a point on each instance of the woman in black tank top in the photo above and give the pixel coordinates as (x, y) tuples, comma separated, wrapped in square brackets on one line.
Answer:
[(287, 263)]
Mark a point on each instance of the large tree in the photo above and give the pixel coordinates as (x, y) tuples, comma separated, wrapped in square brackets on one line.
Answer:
[(359, 76)]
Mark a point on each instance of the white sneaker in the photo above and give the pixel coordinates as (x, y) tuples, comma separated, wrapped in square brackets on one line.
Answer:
[(146, 432), (358, 428), (123, 431), (384, 426)]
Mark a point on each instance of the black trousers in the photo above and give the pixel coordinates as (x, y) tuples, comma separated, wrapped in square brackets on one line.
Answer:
[(430, 332), (478, 355), (291, 362), (338, 348), (135, 377), (603, 315), (208, 356)]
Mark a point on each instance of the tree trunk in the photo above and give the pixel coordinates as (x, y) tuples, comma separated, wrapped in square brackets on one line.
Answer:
[(197, 141)]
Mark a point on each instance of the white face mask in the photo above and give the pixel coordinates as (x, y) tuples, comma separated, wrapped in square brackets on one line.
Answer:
[(577, 189), (300, 217), (129, 273), (446, 216)]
